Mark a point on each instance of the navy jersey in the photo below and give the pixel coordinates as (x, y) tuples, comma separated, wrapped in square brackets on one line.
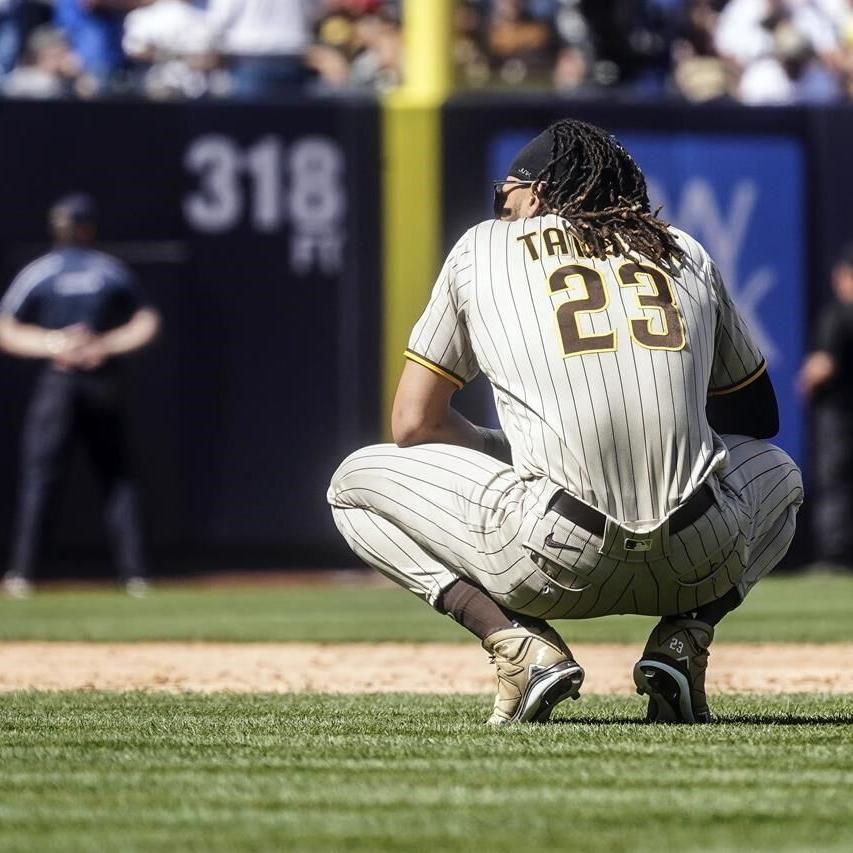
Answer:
[(73, 285), (835, 336)]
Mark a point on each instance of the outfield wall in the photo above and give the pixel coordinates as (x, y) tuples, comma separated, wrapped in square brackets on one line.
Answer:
[(255, 230), (258, 231)]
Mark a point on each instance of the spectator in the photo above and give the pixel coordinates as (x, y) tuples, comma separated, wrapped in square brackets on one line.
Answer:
[(264, 43), (632, 40), (757, 51), (378, 59), (167, 39), (358, 44), (11, 34), (49, 69), (699, 73), (521, 46), (80, 311), (165, 28), (572, 71), (746, 27), (469, 51), (786, 50), (94, 31), (826, 380), (574, 68), (790, 74)]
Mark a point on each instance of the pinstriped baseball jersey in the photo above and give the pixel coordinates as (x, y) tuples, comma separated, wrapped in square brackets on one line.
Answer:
[(600, 368)]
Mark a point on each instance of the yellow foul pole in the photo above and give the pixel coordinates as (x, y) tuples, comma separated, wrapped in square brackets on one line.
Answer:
[(412, 178)]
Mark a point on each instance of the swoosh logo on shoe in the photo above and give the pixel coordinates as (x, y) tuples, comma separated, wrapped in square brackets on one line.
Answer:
[(551, 542)]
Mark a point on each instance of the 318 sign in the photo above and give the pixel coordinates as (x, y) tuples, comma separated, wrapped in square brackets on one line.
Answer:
[(267, 185)]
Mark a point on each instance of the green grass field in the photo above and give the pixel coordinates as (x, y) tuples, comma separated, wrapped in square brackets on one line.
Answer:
[(83, 771), (803, 609), (89, 771)]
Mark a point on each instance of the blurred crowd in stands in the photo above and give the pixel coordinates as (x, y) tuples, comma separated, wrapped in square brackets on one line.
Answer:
[(196, 48), (754, 51)]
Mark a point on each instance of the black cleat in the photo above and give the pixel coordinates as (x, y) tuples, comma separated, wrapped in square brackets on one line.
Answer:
[(672, 671)]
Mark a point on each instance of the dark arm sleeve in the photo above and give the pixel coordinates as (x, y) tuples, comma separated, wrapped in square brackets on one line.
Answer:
[(830, 335), (750, 410)]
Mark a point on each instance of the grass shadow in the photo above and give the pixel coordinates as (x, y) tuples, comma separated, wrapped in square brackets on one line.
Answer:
[(596, 721), (786, 719), (721, 719)]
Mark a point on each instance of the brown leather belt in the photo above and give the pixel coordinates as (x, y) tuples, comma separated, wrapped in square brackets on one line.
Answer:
[(593, 521)]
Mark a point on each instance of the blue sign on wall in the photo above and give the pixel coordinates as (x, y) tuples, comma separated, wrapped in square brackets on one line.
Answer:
[(742, 198)]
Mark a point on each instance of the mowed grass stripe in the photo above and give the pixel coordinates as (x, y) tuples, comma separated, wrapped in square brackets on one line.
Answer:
[(801, 609), (84, 771)]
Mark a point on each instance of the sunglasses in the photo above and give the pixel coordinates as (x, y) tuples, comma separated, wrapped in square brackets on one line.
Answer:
[(501, 194)]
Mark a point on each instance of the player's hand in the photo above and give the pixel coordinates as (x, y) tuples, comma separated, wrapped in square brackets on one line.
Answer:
[(817, 369), (64, 345), (91, 355)]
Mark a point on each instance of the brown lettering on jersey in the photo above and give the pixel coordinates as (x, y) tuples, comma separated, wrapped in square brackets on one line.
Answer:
[(596, 299), (555, 240), (528, 239), (662, 300)]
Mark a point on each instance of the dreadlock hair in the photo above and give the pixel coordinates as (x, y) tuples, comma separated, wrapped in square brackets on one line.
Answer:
[(595, 184)]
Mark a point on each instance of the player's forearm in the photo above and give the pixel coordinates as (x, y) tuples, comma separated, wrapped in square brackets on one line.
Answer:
[(455, 428), (134, 335), (490, 441), (25, 340), (450, 427)]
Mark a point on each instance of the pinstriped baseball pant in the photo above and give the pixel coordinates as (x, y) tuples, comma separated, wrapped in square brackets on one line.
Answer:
[(428, 515)]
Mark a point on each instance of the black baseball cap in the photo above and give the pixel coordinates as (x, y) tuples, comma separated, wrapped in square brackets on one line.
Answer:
[(532, 160), (528, 164), (80, 208)]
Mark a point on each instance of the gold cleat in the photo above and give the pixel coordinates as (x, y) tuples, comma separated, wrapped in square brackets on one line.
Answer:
[(536, 671)]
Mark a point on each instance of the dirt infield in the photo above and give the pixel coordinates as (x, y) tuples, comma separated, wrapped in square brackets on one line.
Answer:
[(384, 667)]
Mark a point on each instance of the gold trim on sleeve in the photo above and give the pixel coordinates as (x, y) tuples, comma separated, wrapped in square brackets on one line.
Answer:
[(435, 368), (730, 389)]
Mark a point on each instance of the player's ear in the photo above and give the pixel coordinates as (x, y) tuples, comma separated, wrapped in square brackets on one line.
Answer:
[(536, 204)]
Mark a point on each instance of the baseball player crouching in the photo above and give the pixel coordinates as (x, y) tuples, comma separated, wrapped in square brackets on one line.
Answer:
[(632, 473)]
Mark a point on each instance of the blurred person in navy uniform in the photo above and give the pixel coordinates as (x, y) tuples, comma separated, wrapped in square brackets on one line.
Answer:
[(80, 311), (826, 380)]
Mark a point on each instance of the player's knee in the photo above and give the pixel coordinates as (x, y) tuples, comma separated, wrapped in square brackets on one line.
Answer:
[(351, 477), (797, 482), (772, 458), (788, 489), (338, 484), (792, 475)]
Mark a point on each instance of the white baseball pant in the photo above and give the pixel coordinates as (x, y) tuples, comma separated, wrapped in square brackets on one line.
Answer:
[(428, 515)]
